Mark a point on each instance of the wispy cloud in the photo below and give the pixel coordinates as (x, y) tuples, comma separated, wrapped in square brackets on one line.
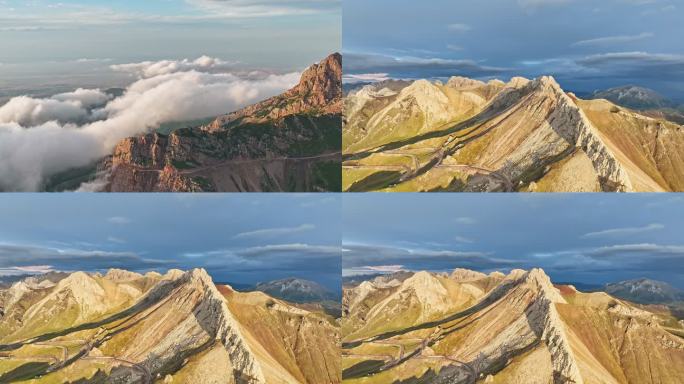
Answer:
[(533, 4), (114, 239), (463, 239), (296, 248), (464, 220), (624, 231), (363, 255), (372, 269), (264, 8), (271, 232), (365, 77), (119, 220), (23, 255), (26, 270), (459, 27), (610, 40), (410, 66)]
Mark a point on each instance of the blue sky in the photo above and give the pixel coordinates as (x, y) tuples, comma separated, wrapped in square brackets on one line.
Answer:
[(587, 238), (74, 41), (238, 238), (585, 44)]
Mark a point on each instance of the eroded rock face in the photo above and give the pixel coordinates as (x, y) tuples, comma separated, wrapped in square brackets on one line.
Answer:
[(213, 313), (572, 124)]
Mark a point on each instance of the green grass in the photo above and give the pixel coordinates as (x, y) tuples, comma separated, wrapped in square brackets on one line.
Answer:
[(24, 372), (181, 164), (167, 128), (362, 369), (71, 179), (327, 176), (204, 183), (374, 181)]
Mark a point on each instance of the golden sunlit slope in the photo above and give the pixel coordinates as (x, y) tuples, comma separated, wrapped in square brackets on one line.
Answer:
[(520, 136), (180, 329), (524, 330)]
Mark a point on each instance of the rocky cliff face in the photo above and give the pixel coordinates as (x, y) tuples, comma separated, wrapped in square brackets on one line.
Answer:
[(573, 125), (286, 143)]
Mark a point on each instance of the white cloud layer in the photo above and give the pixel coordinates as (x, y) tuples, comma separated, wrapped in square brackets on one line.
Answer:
[(41, 137), (148, 69), (250, 8)]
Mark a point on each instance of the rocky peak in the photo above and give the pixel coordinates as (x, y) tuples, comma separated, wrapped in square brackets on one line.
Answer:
[(212, 312), (145, 150), (321, 83), (517, 82), (153, 275), (541, 280), (115, 274), (461, 274), (516, 274), (173, 274), (319, 91), (429, 290), (547, 323), (497, 275), (461, 82), (78, 281), (571, 123)]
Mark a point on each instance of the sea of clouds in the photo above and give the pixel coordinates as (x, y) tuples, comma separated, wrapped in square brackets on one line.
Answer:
[(40, 137)]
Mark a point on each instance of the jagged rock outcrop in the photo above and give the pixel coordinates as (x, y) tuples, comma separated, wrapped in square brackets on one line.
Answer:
[(572, 124), (318, 91), (121, 275), (212, 312), (546, 323), (462, 274)]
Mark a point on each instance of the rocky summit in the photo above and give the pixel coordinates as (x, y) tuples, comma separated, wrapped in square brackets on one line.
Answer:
[(524, 135), (178, 327), (468, 327), (290, 142)]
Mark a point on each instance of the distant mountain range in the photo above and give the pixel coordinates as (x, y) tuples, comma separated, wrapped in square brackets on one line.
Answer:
[(297, 290), (645, 100), (468, 327), (645, 291), (524, 135), (123, 327)]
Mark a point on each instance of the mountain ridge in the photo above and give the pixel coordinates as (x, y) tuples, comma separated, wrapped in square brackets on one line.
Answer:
[(524, 135), (179, 327), (520, 329)]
